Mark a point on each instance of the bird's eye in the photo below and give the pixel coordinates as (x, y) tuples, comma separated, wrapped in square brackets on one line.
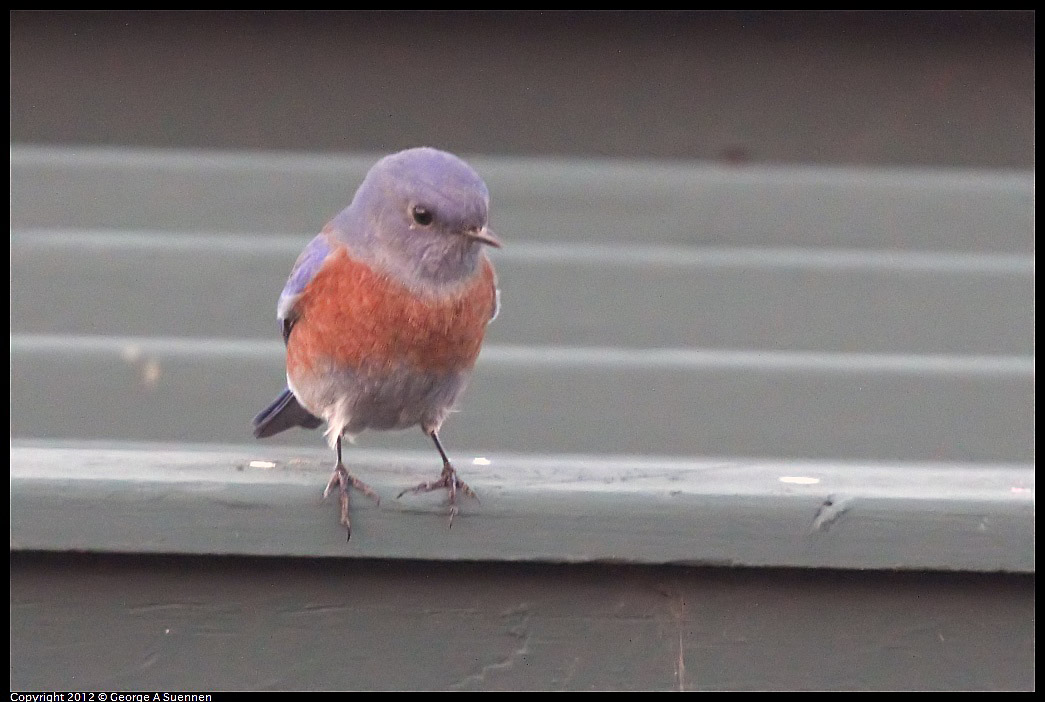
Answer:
[(422, 215)]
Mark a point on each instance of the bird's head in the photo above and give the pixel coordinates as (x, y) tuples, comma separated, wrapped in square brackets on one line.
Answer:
[(421, 213)]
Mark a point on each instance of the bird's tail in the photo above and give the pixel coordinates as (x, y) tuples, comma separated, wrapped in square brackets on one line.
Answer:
[(285, 412)]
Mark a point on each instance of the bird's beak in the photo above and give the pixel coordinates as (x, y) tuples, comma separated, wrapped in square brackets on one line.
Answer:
[(483, 236)]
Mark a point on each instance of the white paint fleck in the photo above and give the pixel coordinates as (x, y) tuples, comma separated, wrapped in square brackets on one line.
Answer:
[(262, 464), (798, 480), (480, 461), (131, 352), (151, 372)]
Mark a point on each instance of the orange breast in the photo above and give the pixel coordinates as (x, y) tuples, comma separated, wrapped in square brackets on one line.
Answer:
[(355, 317)]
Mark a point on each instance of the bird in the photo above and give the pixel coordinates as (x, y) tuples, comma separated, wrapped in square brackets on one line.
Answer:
[(385, 311)]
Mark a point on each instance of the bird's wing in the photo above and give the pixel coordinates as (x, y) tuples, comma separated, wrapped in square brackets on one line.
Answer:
[(495, 289), (496, 303), (305, 268)]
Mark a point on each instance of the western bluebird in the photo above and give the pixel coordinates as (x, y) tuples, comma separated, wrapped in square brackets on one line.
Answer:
[(385, 310)]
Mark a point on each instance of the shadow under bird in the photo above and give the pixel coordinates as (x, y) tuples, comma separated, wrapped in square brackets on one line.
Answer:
[(385, 311)]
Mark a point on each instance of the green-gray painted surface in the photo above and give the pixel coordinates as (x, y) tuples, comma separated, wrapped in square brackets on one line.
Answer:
[(792, 299), (119, 623), (532, 508), (550, 199), (711, 405)]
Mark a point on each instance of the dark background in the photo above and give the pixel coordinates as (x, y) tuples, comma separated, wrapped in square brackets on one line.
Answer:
[(928, 88)]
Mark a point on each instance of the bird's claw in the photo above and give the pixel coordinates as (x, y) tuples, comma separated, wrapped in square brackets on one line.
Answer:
[(447, 481), (345, 480)]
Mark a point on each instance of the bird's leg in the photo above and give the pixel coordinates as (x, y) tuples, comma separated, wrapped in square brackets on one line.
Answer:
[(343, 479), (447, 480)]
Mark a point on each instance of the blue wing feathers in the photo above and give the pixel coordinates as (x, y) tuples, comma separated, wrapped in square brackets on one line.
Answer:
[(305, 268)]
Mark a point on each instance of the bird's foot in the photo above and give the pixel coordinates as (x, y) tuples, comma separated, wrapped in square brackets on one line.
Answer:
[(448, 481), (345, 480)]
